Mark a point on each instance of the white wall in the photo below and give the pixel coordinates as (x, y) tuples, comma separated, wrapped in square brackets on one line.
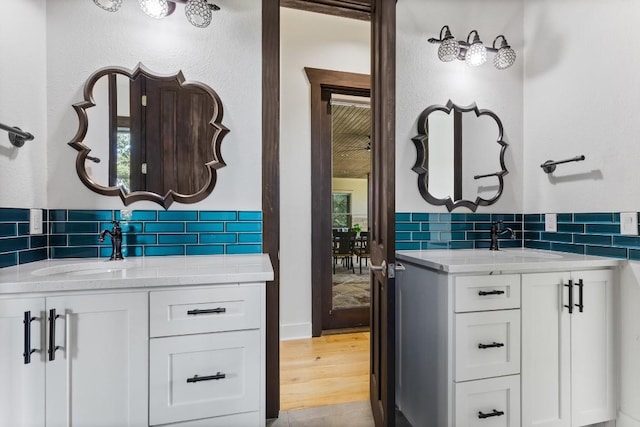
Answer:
[(81, 38), (23, 103), (582, 96), (317, 41), (423, 80)]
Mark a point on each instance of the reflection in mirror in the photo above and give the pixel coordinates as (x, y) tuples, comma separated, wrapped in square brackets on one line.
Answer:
[(148, 137), (460, 156)]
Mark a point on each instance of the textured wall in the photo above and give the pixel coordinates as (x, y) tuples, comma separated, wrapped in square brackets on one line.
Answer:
[(82, 38), (423, 80), (581, 96), (23, 103)]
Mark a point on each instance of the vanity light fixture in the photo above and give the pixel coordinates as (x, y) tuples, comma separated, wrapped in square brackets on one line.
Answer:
[(473, 51), (198, 12)]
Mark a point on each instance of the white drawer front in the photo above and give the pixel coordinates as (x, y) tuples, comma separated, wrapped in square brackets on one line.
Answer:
[(204, 310), (487, 344), (479, 293), (174, 360), (494, 402)]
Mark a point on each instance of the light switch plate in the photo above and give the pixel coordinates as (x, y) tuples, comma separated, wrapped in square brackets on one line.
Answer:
[(551, 222), (35, 221), (629, 223)]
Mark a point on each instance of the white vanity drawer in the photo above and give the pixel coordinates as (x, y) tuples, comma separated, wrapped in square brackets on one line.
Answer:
[(200, 376), (494, 402), (487, 344), (204, 310), (479, 293)]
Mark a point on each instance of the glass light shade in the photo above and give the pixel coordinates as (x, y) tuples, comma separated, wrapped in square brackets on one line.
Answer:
[(109, 5), (505, 57), (448, 50), (476, 55), (198, 12), (155, 8)]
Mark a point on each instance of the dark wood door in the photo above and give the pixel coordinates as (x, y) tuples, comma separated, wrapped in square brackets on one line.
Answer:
[(382, 211), (171, 138)]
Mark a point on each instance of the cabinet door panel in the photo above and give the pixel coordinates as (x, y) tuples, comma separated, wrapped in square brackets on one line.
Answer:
[(100, 377), (546, 388), (21, 385), (592, 373)]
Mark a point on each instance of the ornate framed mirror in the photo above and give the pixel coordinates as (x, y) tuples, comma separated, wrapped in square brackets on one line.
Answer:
[(143, 136), (460, 156)]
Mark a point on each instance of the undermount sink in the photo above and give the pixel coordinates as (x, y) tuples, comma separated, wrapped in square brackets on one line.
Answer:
[(527, 253), (493, 256), (79, 269)]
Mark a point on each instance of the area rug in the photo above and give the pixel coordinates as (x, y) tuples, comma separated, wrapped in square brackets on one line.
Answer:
[(351, 290)]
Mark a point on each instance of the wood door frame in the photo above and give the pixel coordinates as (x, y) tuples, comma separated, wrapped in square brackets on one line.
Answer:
[(271, 178), (323, 83)]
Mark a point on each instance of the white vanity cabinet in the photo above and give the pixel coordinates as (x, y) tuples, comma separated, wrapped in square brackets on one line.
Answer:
[(89, 364), (484, 339), (459, 349), (164, 341), (206, 354), (568, 372)]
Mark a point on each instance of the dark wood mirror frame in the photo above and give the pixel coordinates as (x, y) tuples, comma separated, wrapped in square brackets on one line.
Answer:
[(171, 196), (421, 141)]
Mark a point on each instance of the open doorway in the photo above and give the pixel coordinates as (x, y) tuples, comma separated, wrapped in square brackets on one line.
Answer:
[(304, 42), (346, 298), (381, 40)]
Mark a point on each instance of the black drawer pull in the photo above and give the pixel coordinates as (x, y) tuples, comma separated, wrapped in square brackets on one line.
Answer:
[(570, 306), (494, 413), (52, 334), (494, 292), (28, 351), (207, 311), (580, 305), (494, 345), (196, 378)]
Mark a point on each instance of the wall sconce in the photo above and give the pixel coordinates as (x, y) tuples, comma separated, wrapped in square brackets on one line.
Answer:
[(473, 51), (198, 12)]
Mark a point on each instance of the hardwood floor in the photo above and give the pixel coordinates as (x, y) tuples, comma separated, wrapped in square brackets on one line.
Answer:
[(322, 371)]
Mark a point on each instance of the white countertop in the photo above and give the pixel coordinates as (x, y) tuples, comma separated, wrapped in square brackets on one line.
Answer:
[(136, 272), (503, 261)]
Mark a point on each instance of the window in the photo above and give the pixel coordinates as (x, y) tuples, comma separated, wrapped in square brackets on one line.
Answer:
[(341, 210)]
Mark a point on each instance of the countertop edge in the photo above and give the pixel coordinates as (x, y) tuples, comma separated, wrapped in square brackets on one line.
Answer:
[(526, 266)]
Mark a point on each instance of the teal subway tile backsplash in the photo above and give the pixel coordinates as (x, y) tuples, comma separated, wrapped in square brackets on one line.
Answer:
[(417, 230), (248, 227), (218, 216), (164, 227), (590, 233), (205, 226), (249, 216), (100, 215), (205, 249), (14, 215), (156, 233), (17, 246), (177, 216)]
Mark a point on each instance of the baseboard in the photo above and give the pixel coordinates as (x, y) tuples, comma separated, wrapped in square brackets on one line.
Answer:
[(295, 331), (625, 420)]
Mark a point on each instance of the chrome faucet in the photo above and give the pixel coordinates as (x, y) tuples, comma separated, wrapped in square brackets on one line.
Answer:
[(496, 232), (116, 240)]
